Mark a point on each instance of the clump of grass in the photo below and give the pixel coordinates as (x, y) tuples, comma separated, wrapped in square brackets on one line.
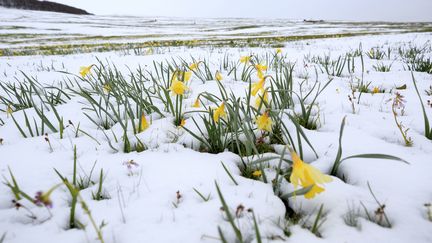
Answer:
[(31, 94), (381, 67), (351, 217), (305, 118), (332, 67), (415, 58), (100, 194), (376, 53), (76, 198), (281, 87)]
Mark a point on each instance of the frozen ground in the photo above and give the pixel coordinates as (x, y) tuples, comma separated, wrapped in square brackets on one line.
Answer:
[(153, 198)]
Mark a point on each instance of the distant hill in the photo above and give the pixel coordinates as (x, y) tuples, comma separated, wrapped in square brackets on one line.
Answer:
[(41, 5)]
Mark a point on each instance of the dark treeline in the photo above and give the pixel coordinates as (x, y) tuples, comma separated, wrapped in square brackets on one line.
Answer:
[(41, 5)]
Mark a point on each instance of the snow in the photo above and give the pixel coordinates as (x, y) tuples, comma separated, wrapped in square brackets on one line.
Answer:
[(143, 204)]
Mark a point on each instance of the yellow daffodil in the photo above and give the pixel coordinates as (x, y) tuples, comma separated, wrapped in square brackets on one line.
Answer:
[(9, 110), (262, 99), (184, 76), (107, 88), (260, 70), (257, 86), (85, 70), (193, 66), (264, 122), (196, 103), (261, 67), (183, 122), (257, 173), (143, 124), (260, 74), (375, 90), (150, 51), (219, 112), (306, 175), (178, 88), (218, 76), (245, 59), (278, 51)]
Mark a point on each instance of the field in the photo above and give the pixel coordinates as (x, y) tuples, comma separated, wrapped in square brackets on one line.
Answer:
[(131, 129)]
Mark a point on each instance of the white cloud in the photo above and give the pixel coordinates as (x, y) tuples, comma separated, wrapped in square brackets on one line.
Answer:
[(360, 10)]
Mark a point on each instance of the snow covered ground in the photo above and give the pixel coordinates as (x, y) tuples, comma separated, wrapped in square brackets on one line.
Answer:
[(154, 195)]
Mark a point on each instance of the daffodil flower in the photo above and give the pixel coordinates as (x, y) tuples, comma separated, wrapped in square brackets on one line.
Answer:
[(187, 76), (261, 67), (178, 88), (264, 122), (85, 70), (143, 124), (257, 173), (245, 59), (183, 122), (219, 112), (107, 88), (9, 110), (218, 76), (182, 76), (306, 175), (194, 65), (257, 86), (260, 70), (196, 103), (262, 99), (375, 90), (278, 51)]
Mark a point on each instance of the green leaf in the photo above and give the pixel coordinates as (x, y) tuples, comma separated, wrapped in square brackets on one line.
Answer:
[(375, 156), (229, 215), (428, 130), (299, 192), (339, 153)]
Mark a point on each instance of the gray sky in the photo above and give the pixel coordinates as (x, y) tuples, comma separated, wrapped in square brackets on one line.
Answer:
[(360, 10)]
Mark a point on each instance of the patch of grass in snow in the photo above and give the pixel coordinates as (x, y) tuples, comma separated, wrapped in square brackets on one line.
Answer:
[(416, 57), (381, 67), (335, 67), (376, 53), (244, 41)]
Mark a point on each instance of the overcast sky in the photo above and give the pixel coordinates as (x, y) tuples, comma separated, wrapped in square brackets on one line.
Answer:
[(361, 10)]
